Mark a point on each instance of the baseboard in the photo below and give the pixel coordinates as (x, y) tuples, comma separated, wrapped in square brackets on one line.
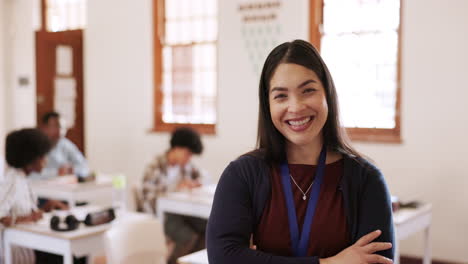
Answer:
[(416, 260)]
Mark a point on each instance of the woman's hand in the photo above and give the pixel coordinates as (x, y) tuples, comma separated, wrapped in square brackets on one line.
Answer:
[(185, 184), (54, 204), (36, 215), (65, 170), (362, 252), (6, 221)]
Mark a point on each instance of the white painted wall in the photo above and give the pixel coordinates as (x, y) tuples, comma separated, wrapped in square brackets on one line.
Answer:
[(2, 81), (19, 61)]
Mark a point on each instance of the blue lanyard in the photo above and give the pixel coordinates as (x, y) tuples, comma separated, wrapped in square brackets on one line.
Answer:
[(300, 244)]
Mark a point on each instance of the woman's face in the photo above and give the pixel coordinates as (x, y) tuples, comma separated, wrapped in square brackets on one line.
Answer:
[(298, 104)]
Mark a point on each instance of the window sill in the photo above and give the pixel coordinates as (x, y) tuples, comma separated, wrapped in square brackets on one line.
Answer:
[(375, 135), (204, 129)]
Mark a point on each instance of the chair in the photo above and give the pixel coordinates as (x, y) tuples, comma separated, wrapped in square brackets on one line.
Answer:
[(137, 240), (137, 190)]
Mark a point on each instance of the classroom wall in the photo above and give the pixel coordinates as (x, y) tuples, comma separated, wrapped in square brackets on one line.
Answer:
[(19, 61), (2, 80)]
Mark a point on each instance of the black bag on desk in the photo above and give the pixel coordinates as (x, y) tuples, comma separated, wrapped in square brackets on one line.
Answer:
[(99, 218)]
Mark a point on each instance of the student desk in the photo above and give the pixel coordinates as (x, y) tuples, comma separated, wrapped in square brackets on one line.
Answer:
[(199, 257), (196, 202), (410, 221), (73, 192), (85, 241)]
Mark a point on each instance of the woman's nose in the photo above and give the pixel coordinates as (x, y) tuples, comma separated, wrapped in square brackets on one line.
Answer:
[(296, 105)]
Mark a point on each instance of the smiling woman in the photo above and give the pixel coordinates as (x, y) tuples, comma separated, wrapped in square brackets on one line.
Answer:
[(304, 195)]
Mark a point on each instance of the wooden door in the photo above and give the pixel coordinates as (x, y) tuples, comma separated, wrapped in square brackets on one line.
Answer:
[(59, 77)]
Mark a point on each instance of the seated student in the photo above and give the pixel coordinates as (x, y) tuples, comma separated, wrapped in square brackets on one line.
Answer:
[(172, 171), (64, 158), (25, 153)]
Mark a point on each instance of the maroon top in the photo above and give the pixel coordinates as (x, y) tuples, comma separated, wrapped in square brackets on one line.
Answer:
[(329, 233)]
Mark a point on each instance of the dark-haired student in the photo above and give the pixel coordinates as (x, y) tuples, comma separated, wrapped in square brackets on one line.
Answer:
[(25, 153), (173, 171), (304, 195), (64, 157)]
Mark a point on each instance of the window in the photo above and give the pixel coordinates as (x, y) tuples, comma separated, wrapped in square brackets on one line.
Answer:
[(186, 33), (359, 40), (65, 15)]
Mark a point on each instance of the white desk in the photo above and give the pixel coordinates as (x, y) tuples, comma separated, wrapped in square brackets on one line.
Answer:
[(85, 241), (409, 221), (198, 203), (73, 192), (199, 257)]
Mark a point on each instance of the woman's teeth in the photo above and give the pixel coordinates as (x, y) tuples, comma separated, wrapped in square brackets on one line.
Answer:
[(299, 122)]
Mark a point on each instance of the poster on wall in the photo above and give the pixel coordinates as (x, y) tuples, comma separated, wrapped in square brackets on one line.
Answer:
[(260, 29)]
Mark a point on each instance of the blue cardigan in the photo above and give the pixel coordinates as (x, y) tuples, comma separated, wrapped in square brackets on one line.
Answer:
[(244, 189)]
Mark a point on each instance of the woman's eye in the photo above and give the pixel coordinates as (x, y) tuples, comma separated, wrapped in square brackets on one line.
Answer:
[(279, 96), (309, 90)]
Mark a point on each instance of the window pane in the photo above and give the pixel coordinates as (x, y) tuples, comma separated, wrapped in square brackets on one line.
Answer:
[(184, 9), (211, 31), (171, 32), (197, 8), (361, 52), (66, 14), (171, 9), (197, 30), (356, 15), (211, 7), (167, 58), (185, 31), (204, 56), (189, 62)]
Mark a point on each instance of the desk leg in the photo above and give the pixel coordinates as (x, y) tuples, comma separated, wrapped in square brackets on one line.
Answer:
[(68, 258), (71, 203), (68, 254), (427, 245), (160, 213), (397, 252), (8, 253)]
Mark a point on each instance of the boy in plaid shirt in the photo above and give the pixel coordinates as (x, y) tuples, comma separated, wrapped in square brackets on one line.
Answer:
[(169, 172)]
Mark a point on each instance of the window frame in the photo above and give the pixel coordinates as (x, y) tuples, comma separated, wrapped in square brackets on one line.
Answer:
[(378, 135), (158, 123)]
